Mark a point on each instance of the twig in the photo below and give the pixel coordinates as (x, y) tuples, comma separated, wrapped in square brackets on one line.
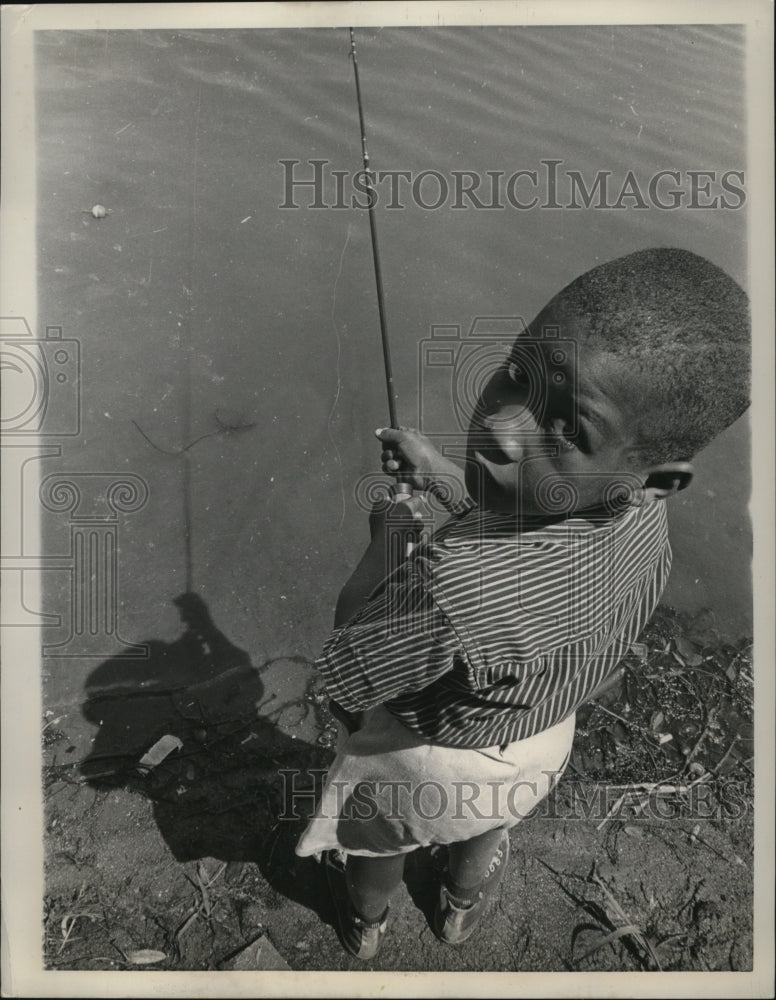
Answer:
[(612, 811), (707, 729), (648, 786), (193, 914), (203, 886), (218, 872), (68, 924), (725, 857), (613, 714), (718, 767)]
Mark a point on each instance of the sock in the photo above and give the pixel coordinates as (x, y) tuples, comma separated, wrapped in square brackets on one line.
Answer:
[(468, 862), (462, 897), (371, 882)]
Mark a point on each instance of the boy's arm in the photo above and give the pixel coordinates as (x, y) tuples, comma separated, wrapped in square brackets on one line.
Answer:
[(416, 460), (368, 575), (401, 641), (374, 567)]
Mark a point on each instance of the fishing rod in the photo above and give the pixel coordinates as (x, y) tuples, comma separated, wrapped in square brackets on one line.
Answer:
[(401, 490)]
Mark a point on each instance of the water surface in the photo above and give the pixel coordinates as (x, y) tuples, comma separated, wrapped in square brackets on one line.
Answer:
[(199, 300)]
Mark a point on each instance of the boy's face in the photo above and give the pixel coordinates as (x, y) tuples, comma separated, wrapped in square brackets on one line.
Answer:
[(540, 445)]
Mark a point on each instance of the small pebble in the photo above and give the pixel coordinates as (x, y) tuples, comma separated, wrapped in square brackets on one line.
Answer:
[(99, 211)]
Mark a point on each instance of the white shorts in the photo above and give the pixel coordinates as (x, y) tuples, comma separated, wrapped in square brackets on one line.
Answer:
[(389, 791)]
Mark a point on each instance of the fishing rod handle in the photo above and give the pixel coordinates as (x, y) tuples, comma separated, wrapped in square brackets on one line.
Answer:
[(401, 491), (403, 537)]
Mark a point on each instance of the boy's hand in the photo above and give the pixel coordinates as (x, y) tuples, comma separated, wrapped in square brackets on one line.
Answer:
[(410, 455)]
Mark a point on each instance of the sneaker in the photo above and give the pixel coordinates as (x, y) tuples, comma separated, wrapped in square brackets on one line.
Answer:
[(456, 919), (360, 937)]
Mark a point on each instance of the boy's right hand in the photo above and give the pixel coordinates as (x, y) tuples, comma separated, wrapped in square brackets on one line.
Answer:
[(410, 455), (404, 514)]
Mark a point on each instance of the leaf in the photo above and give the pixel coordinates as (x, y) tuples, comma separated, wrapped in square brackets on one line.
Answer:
[(146, 956), (684, 646), (620, 932)]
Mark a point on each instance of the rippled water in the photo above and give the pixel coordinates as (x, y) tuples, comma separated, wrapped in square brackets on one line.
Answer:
[(198, 299)]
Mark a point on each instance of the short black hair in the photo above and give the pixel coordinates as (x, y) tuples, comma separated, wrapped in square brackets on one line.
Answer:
[(682, 326)]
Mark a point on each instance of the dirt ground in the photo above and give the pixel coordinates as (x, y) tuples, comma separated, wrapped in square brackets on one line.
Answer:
[(640, 860)]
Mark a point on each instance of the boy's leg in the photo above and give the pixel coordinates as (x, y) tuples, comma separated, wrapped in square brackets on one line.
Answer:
[(361, 894), (372, 881), (468, 862), (475, 870)]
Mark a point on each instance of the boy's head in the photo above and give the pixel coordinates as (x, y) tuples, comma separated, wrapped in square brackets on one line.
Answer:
[(662, 366)]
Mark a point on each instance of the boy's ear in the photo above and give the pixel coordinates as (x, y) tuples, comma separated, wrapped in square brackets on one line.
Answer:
[(665, 480)]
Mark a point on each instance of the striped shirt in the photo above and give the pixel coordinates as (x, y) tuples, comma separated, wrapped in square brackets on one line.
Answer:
[(487, 634)]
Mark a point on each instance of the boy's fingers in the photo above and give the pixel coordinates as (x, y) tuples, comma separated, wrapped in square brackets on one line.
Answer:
[(393, 434)]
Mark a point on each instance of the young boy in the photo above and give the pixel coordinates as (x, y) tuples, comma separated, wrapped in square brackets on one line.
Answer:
[(459, 675)]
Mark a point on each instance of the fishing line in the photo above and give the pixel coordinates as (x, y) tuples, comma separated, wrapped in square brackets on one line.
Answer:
[(225, 426), (339, 377)]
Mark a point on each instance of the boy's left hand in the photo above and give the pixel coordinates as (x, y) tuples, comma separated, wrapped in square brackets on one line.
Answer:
[(410, 455)]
